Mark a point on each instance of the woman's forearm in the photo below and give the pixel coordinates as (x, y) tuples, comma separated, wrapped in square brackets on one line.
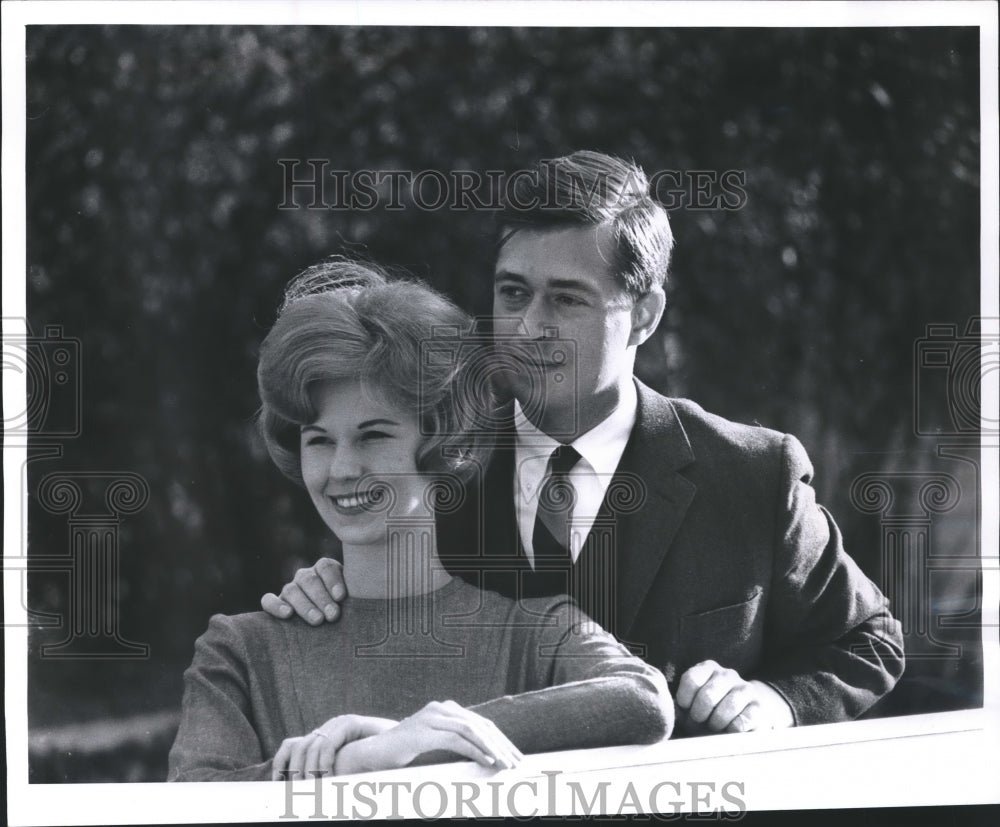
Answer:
[(352, 758), (256, 772), (600, 712)]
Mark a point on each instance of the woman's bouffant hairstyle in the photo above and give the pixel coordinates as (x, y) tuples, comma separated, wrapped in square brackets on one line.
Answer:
[(350, 320)]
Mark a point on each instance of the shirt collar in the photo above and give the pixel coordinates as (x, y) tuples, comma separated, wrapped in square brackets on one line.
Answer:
[(602, 446)]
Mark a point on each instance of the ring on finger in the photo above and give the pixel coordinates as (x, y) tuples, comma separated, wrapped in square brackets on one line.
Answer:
[(320, 733)]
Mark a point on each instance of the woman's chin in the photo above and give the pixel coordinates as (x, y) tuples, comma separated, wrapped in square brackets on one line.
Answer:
[(361, 529)]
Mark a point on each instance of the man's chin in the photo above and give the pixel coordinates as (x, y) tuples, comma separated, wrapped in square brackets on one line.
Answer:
[(557, 424)]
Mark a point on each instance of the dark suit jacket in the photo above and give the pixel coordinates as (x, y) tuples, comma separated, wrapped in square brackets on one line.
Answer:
[(709, 545)]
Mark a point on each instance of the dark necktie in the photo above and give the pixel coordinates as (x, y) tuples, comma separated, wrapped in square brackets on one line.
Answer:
[(556, 498)]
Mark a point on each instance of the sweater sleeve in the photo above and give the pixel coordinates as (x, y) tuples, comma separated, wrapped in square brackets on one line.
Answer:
[(585, 689), (217, 740), (833, 646)]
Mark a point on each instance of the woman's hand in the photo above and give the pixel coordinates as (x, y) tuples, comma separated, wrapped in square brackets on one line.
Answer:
[(444, 728), (316, 752)]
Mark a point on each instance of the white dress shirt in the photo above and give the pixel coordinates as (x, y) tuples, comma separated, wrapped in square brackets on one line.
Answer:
[(600, 449)]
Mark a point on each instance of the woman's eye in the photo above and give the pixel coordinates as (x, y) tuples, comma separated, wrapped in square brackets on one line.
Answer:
[(317, 440), (368, 436)]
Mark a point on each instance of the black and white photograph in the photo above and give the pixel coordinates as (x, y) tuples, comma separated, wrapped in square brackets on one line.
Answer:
[(478, 410)]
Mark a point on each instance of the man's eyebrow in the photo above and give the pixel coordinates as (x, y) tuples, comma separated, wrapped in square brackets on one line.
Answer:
[(572, 284), (509, 276)]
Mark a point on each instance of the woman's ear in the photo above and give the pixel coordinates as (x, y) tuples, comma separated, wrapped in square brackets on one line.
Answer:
[(646, 314)]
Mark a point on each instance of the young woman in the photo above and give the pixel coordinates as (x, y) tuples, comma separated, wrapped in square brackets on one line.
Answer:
[(422, 667)]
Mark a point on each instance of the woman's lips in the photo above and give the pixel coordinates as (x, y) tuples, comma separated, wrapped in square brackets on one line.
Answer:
[(356, 503)]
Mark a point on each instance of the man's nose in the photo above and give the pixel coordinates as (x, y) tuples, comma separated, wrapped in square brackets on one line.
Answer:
[(537, 320)]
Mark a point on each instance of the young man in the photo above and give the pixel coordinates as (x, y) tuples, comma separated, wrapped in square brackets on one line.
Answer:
[(695, 540)]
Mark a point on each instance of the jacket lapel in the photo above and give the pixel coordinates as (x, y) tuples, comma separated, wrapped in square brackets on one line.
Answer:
[(657, 449), (638, 519)]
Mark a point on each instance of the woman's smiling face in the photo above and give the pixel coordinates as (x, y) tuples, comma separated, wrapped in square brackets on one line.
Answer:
[(358, 451)]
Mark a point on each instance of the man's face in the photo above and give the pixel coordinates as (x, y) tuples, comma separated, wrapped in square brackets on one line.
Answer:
[(561, 280)]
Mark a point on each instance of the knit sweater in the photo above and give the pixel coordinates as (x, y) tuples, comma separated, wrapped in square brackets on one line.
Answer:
[(545, 674)]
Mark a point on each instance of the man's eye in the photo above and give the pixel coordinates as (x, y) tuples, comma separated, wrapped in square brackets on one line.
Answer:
[(570, 301), (510, 292)]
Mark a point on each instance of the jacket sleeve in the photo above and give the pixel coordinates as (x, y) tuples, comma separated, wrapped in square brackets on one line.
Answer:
[(832, 647), (591, 692), (216, 740)]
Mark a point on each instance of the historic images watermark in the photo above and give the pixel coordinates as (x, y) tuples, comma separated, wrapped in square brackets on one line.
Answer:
[(951, 372), (664, 800), (410, 628), (955, 368), (94, 502), (491, 352), (311, 183), (50, 367), (497, 353)]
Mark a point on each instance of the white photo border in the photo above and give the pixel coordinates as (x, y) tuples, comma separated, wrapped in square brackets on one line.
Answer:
[(910, 750)]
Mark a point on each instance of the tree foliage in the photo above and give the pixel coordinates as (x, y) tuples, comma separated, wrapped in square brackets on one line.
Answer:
[(154, 236)]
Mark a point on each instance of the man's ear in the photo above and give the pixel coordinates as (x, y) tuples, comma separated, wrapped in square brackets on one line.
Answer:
[(646, 314)]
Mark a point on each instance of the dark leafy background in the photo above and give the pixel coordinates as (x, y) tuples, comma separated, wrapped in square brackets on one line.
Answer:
[(155, 238)]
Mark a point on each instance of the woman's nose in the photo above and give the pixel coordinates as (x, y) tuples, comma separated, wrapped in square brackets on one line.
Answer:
[(346, 464)]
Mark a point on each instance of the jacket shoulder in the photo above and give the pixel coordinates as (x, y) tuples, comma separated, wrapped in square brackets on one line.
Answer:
[(706, 430), (703, 423), (729, 447)]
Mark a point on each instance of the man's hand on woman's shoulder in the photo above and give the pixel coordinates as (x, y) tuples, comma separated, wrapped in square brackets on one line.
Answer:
[(313, 594)]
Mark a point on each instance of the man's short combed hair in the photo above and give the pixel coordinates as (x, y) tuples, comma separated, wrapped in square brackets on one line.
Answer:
[(349, 320), (593, 188)]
